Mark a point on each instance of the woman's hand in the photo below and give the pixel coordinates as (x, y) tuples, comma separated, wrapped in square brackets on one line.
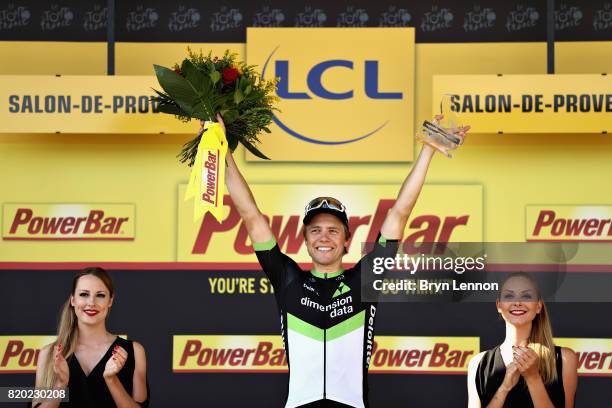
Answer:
[(60, 368), (116, 362), (527, 362), (512, 377)]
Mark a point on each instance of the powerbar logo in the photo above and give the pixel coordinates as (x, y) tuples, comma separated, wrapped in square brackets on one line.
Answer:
[(594, 355), (569, 223), (446, 355), (19, 354), (210, 177), (390, 354), (228, 354), (425, 227), (68, 222)]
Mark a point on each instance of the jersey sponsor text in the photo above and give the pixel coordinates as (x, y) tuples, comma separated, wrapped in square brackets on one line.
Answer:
[(337, 308)]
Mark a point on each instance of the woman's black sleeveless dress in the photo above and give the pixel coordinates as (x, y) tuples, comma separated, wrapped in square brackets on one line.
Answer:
[(90, 391), (490, 375)]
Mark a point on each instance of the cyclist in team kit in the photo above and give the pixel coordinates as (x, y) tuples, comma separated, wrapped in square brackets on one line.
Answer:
[(327, 329)]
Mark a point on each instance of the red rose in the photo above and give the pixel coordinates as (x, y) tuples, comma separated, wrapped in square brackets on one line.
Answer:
[(178, 71), (229, 75)]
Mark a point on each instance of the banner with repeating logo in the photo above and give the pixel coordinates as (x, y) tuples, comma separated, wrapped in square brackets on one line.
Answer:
[(83, 104), (529, 103), (218, 332), (152, 21), (434, 219), (345, 94), (265, 354)]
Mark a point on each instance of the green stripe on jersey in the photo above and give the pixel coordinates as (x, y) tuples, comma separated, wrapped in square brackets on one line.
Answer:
[(298, 325), (347, 326), (326, 275), (264, 246)]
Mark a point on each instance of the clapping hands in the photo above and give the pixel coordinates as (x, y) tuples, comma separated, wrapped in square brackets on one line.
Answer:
[(60, 368), (527, 361), (116, 362)]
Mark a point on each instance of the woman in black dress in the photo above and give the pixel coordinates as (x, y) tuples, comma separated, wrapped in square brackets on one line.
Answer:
[(527, 369), (98, 368)]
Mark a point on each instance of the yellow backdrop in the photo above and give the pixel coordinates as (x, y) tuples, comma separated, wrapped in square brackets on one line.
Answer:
[(514, 170)]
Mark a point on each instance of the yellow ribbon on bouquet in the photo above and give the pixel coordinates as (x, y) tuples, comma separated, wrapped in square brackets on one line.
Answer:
[(207, 176)]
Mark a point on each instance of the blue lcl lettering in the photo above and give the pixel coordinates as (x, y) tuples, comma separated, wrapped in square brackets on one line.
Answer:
[(314, 79), (371, 83), (282, 71), (315, 85)]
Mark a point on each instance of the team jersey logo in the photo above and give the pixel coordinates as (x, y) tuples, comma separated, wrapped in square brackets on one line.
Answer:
[(342, 289)]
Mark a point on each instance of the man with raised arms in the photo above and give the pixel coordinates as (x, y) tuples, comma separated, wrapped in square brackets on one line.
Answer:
[(327, 329)]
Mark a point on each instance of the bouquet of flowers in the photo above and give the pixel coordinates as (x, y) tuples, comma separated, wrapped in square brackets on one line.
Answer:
[(203, 86)]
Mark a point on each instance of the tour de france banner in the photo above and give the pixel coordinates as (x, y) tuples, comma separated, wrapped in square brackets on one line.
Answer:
[(83, 104), (345, 94), (226, 244), (567, 103)]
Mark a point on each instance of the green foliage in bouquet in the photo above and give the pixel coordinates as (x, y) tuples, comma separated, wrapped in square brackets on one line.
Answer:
[(204, 85)]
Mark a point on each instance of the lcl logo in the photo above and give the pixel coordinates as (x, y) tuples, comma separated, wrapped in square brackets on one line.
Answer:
[(315, 88)]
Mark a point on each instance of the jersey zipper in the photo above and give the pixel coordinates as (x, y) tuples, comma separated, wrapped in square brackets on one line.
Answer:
[(325, 358)]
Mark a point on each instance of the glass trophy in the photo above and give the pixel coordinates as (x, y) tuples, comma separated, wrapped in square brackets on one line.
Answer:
[(443, 132)]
